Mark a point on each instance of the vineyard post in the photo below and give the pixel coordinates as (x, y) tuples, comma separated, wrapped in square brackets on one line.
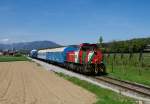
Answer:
[(140, 62), (105, 59), (108, 55), (114, 58), (130, 56), (112, 63), (125, 64), (122, 56)]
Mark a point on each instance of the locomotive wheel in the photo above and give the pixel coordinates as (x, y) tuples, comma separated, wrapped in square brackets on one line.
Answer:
[(84, 68), (102, 68), (96, 71), (79, 68)]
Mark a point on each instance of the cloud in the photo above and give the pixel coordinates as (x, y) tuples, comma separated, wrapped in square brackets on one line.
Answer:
[(5, 40)]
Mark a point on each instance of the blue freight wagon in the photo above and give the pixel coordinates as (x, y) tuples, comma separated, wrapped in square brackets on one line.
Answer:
[(33, 53), (56, 54)]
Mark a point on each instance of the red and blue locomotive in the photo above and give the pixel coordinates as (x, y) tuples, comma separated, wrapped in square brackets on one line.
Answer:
[(85, 58)]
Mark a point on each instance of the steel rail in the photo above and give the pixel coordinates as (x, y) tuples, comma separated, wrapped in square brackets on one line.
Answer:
[(140, 89)]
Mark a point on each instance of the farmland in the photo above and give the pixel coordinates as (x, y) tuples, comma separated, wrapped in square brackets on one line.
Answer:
[(24, 82), (12, 58), (129, 67), (53, 89)]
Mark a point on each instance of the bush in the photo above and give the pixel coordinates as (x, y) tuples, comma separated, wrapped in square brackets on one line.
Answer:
[(18, 55)]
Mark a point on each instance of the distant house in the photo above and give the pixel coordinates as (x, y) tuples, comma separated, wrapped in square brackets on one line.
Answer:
[(1, 53), (9, 53), (147, 48)]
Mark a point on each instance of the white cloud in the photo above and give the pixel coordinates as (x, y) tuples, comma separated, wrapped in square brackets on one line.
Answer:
[(5, 40)]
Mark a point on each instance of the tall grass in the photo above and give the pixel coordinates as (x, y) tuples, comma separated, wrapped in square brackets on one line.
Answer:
[(129, 68)]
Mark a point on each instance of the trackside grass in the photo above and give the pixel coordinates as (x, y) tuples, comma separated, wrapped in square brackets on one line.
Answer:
[(129, 69), (130, 73), (104, 96), (13, 58)]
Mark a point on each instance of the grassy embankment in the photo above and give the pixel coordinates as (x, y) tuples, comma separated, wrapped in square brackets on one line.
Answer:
[(104, 96), (13, 58), (129, 69)]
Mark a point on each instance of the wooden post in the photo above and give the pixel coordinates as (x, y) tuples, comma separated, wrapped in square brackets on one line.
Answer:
[(140, 62), (108, 56), (112, 67), (114, 57), (130, 56), (121, 57)]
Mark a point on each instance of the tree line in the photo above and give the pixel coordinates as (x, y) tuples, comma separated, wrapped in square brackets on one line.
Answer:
[(126, 46)]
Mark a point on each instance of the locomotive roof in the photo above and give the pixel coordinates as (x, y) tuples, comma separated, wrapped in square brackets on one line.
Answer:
[(87, 44)]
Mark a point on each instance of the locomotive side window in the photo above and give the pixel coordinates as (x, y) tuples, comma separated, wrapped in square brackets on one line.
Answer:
[(89, 48)]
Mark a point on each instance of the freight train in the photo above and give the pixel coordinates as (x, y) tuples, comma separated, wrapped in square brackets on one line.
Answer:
[(85, 58)]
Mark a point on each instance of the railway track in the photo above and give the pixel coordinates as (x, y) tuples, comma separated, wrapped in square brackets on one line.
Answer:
[(127, 86)]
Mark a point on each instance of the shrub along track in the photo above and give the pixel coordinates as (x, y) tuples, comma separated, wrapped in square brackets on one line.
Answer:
[(27, 83)]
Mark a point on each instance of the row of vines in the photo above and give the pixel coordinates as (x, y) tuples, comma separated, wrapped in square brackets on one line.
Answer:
[(140, 61)]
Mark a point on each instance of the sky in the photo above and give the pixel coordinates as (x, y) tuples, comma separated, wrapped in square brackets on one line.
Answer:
[(73, 21)]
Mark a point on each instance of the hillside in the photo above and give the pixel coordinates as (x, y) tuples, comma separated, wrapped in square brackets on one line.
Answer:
[(132, 45), (29, 45)]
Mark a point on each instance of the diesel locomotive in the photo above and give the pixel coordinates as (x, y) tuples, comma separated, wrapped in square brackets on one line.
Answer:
[(85, 58)]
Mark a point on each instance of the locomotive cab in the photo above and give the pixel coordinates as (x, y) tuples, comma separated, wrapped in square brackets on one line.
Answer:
[(92, 52), (94, 58), (88, 58)]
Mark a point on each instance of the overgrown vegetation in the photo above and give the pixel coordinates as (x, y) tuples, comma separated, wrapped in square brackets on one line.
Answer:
[(13, 58), (129, 67), (104, 96), (18, 55), (133, 45), (128, 59)]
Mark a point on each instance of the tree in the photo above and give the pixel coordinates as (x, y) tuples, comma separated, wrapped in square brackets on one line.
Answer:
[(100, 41)]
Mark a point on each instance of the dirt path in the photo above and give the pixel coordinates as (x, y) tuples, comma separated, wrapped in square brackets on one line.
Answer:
[(28, 83)]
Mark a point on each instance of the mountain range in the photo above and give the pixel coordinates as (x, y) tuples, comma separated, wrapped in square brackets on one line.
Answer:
[(29, 45)]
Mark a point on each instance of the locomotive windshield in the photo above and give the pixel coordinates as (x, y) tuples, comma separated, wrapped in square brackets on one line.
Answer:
[(89, 48)]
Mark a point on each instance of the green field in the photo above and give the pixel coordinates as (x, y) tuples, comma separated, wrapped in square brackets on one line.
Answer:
[(13, 58), (129, 69), (104, 96)]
